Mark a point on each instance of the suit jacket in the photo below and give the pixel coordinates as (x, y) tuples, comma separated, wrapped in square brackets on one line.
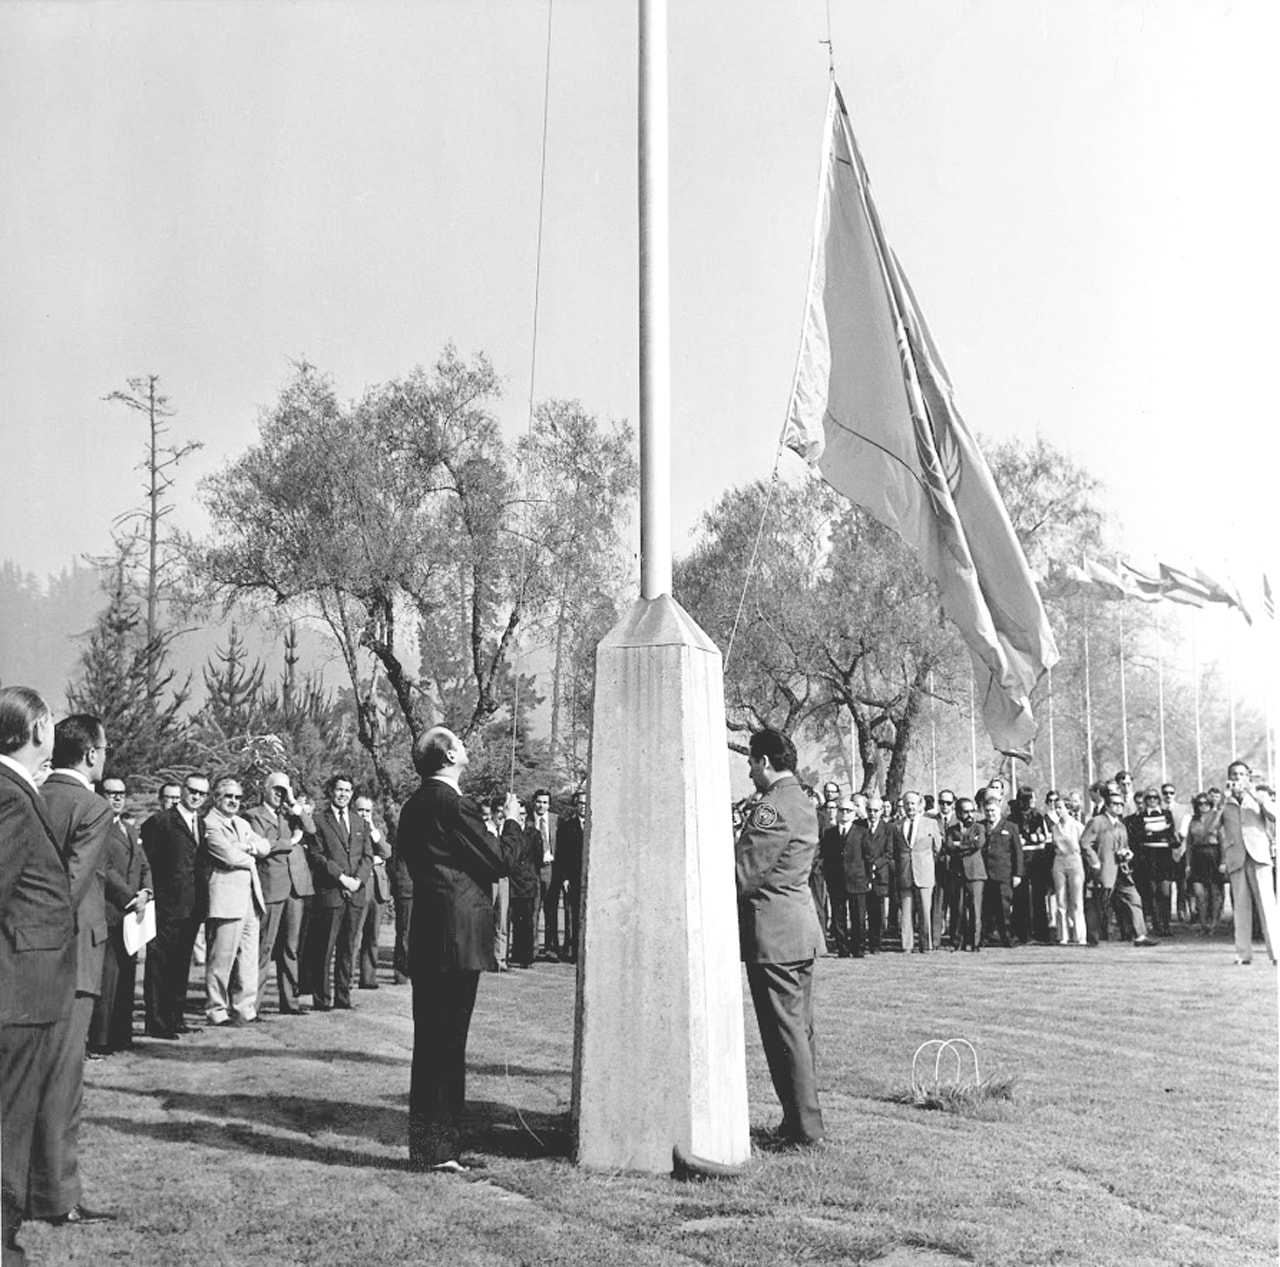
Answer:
[(855, 860), (553, 828), (381, 882), (1243, 830), (568, 851), (775, 851), (81, 821), (877, 845), (276, 869), (230, 860), (1100, 841), (127, 870), (172, 850), (334, 853), (37, 921), (964, 846), (454, 861), (831, 857), (913, 863), (523, 847), (1002, 853)]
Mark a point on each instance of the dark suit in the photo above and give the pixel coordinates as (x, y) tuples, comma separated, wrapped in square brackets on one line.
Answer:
[(337, 916), (1002, 857), (454, 861), (548, 899), (523, 850), (379, 895), (780, 935), (38, 972), (179, 889), (127, 873), (81, 821), (831, 857), (856, 865), (877, 847), (567, 878), (402, 895)]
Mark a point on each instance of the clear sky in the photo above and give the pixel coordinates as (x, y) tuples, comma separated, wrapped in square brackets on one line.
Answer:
[(1079, 190)]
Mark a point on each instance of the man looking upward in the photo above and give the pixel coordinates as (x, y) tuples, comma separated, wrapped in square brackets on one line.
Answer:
[(454, 861)]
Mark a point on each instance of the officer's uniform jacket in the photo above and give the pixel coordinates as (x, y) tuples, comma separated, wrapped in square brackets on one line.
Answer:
[(775, 851)]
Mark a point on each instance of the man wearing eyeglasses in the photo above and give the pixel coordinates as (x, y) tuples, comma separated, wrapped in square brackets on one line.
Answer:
[(172, 839), (232, 850), (128, 891), (831, 847), (287, 887)]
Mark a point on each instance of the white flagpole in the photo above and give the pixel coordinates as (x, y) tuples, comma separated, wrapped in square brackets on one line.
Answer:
[(1195, 686), (933, 738), (1124, 704), (1053, 769), (973, 733), (1164, 765), (1088, 709)]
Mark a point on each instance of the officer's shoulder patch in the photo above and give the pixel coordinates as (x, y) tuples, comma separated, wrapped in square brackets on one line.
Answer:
[(764, 816)]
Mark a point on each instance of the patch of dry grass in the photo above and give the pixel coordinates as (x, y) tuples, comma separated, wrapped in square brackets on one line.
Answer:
[(1140, 1128)]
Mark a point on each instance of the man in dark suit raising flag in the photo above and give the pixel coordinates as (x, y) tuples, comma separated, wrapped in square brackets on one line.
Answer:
[(454, 861)]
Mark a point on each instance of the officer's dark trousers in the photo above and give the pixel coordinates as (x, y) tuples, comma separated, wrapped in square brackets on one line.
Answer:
[(783, 998)]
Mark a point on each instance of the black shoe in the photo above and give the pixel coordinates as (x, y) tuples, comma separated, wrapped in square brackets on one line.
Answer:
[(317, 1006), (184, 1028), (232, 1022), (169, 1036), (79, 1215), (345, 1006), (374, 986)]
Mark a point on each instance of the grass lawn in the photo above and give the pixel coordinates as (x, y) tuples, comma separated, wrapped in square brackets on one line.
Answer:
[(1142, 1130)]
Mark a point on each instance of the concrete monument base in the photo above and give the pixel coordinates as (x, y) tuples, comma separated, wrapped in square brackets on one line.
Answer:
[(659, 1058)]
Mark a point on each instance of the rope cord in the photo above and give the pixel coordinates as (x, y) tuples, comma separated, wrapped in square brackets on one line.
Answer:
[(533, 366), (755, 552), (517, 656)]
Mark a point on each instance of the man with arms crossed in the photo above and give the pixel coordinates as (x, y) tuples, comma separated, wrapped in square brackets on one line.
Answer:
[(454, 861), (779, 929)]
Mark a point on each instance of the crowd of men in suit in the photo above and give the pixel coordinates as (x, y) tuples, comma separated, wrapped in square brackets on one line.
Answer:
[(984, 870), (285, 888)]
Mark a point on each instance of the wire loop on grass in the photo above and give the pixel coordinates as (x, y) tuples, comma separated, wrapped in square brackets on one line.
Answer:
[(944, 1045)]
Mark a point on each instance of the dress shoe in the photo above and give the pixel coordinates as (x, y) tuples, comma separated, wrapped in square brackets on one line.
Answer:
[(454, 1166), (1145, 941), (169, 1036), (184, 1028), (374, 986), (232, 1022), (345, 1006), (78, 1215), (321, 1007)]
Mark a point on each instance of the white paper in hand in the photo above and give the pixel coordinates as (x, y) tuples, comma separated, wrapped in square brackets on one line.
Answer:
[(138, 929)]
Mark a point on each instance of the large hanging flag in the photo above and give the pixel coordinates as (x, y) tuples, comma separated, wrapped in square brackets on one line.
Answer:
[(872, 407)]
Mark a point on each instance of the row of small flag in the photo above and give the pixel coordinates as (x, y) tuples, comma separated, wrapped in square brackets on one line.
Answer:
[(1192, 587)]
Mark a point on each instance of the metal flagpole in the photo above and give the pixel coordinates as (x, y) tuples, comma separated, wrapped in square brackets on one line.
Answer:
[(1088, 709), (1053, 769), (933, 737), (1195, 687), (1164, 765), (1124, 704), (1231, 698), (973, 732)]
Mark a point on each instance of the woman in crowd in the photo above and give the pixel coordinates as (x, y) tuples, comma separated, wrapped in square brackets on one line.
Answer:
[(1068, 870), (1157, 850), (1204, 860)]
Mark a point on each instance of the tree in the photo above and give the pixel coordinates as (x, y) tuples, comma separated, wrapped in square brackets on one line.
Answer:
[(122, 676), (146, 525), (395, 521)]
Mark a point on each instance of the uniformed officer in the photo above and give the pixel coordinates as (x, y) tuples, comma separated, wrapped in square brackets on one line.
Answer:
[(779, 929)]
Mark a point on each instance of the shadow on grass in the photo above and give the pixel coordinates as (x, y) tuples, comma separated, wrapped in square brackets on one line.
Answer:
[(285, 1126), (190, 1052)]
